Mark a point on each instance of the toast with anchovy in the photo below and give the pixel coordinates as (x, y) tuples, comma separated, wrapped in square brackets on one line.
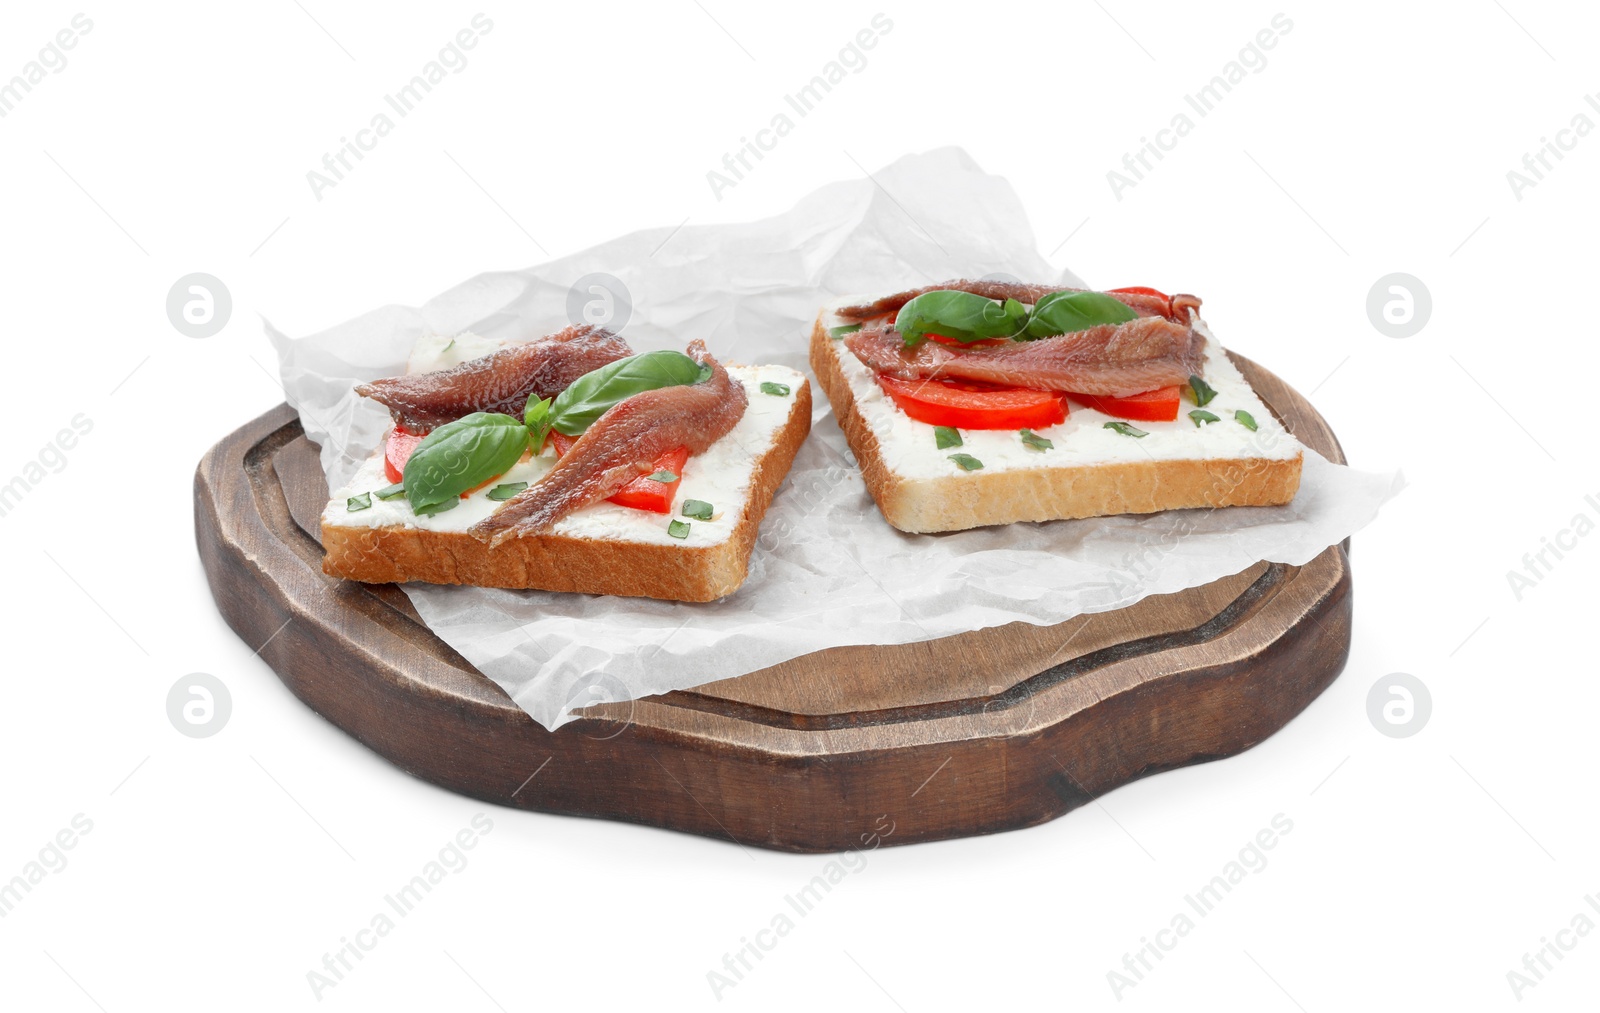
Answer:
[(1138, 441), (682, 531)]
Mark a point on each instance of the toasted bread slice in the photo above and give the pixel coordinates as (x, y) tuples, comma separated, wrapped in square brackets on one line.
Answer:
[(1090, 471), (602, 549)]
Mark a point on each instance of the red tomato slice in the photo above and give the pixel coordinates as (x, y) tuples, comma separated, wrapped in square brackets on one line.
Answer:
[(397, 452), (644, 492), (1159, 405), (975, 406)]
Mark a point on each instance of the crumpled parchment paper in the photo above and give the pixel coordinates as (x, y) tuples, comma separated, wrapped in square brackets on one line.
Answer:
[(828, 570)]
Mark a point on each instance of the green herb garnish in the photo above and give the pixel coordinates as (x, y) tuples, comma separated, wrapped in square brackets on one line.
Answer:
[(699, 509), (1200, 415), (663, 476), (1125, 429), (361, 502), (1066, 312), (838, 332), (506, 491), (536, 417), (591, 395), (960, 315), (1202, 391), (966, 462), (451, 345), (391, 491), (1036, 441), (462, 455), (1245, 419), (945, 437), (775, 389), (678, 529), (438, 508)]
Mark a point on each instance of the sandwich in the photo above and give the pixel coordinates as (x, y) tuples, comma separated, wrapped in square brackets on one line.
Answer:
[(977, 403), (568, 463)]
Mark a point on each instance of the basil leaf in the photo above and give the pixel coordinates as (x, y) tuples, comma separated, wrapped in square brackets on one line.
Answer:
[(361, 502), (1066, 312), (1125, 429), (959, 315), (1245, 419), (1200, 415), (391, 491), (1037, 442), (506, 491), (678, 529), (537, 418), (945, 437), (595, 392), (966, 462), (775, 389), (460, 455), (838, 332), (699, 509), (439, 508), (1202, 391), (663, 476)]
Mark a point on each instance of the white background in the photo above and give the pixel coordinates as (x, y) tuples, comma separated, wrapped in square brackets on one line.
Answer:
[(1419, 871)]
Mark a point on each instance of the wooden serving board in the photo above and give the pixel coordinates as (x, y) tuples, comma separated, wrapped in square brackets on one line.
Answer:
[(972, 734)]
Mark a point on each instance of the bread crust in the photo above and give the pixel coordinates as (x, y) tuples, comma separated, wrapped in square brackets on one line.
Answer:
[(1047, 492), (553, 562)]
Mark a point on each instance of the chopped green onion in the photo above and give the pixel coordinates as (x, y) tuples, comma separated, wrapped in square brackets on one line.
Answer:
[(699, 509), (361, 502), (439, 508), (1125, 429), (506, 491), (1036, 441), (966, 462), (838, 332), (1200, 415), (451, 345), (945, 437), (1245, 419), (390, 492), (775, 389), (663, 476), (678, 529), (1202, 391)]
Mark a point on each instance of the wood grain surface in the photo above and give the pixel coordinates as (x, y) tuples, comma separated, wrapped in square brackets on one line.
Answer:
[(849, 747)]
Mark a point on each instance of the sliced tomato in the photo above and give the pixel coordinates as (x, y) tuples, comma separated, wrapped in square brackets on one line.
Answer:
[(644, 492), (397, 452), (1160, 405), (1147, 290), (975, 405)]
